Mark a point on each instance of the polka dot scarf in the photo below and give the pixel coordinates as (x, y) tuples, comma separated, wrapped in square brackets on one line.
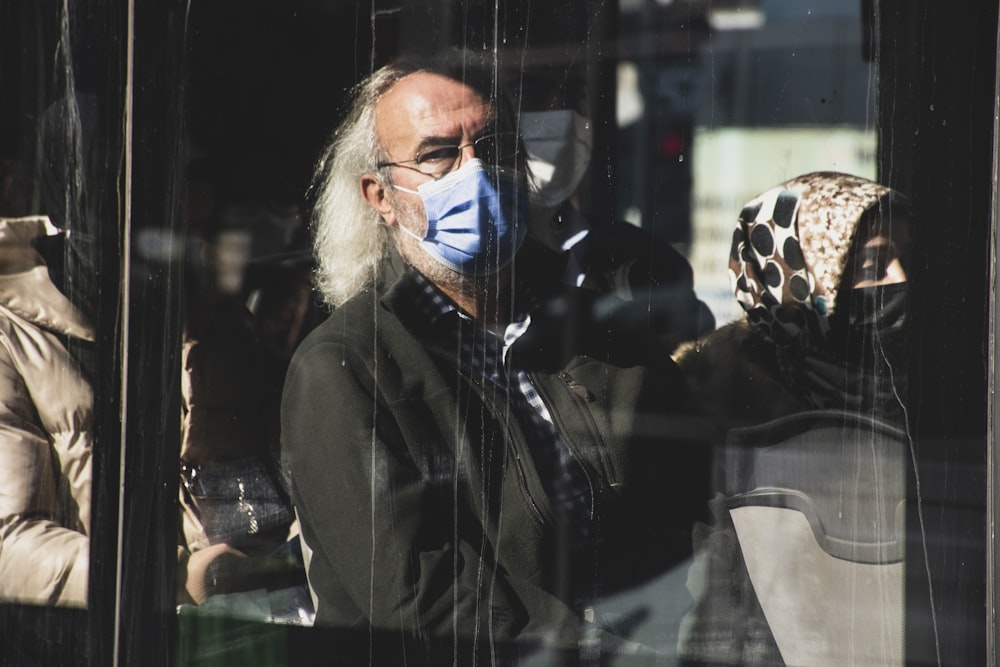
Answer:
[(789, 251), (788, 254)]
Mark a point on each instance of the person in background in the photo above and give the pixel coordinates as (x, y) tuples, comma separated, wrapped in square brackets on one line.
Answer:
[(449, 499), (624, 267), (237, 545)]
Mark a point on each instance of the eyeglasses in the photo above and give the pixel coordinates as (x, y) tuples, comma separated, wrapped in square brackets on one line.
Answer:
[(500, 148)]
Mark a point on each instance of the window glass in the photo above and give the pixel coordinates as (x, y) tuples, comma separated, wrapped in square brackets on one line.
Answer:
[(717, 107), (585, 332), (713, 189)]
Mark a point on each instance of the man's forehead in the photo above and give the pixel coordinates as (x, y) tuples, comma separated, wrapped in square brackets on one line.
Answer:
[(424, 94), (428, 102)]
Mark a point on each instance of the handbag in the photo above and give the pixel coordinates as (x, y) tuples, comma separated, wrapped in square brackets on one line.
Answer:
[(239, 502)]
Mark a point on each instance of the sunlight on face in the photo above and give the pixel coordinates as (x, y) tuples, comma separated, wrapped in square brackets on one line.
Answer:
[(879, 261)]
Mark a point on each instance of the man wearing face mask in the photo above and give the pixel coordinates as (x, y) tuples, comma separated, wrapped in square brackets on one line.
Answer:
[(451, 500)]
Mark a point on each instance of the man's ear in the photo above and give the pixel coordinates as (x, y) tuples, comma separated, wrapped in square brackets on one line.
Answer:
[(376, 194)]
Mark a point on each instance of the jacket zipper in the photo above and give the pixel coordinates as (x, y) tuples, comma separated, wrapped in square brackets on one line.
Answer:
[(592, 426), (511, 447), (582, 396)]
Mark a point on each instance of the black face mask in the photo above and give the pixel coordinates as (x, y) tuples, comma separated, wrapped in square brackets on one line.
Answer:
[(871, 324), (867, 341)]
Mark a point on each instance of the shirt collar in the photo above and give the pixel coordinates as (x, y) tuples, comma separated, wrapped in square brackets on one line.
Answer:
[(429, 301), (433, 306)]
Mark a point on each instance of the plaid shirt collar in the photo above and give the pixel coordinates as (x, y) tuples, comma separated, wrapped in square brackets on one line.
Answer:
[(430, 301), (483, 349), (485, 353)]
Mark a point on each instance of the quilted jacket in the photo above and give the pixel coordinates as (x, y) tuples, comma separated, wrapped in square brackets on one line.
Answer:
[(45, 429)]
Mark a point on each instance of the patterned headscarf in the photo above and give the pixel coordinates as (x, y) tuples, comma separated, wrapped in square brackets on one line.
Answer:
[(789, 254), (790, 249)]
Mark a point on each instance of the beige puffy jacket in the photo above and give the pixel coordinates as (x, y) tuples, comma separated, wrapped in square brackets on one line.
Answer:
[(45, 430)]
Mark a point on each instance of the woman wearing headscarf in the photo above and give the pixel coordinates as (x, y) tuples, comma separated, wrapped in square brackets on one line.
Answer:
[(818, 265)]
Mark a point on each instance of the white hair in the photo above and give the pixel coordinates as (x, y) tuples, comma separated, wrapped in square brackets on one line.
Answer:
[(349, 239)]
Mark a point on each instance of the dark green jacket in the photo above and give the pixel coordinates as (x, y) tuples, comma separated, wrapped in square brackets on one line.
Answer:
[(420, 502)]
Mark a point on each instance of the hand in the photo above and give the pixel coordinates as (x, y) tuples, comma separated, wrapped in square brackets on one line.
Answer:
[(200, 582)]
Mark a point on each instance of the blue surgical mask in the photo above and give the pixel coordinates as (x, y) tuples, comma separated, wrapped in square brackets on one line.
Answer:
[(477, 218)]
